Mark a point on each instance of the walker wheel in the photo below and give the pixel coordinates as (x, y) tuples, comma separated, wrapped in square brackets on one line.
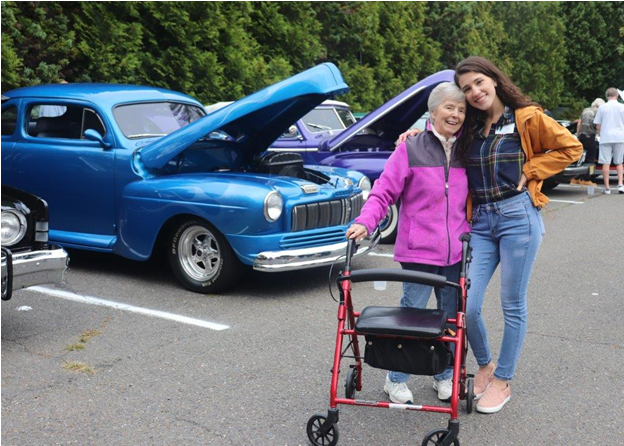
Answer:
[(329, 438), (350, 384), (469, 395), (436, 436)]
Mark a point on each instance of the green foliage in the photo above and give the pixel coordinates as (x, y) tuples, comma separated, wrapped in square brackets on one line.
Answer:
[(536, 51), (560, 53)]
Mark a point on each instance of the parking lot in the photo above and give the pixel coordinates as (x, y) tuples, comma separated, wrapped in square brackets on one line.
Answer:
[(121, 354)]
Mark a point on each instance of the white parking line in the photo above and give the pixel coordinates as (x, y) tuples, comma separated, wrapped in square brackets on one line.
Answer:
[(567, 201), (381, 254), (125, 307)]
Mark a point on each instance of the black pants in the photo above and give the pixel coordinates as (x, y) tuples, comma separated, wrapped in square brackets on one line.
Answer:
[(591, 148)]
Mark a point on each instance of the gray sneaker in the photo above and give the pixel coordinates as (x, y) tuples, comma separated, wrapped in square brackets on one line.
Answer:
[(606, 191), (444, 388), (621, 189), (398, 392)]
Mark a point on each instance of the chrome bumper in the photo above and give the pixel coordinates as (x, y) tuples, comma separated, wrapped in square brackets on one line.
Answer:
[(32, 268), (294, 259)]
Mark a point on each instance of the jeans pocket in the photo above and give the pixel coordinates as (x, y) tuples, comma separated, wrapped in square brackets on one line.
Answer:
[(514, 211), (541, 221)]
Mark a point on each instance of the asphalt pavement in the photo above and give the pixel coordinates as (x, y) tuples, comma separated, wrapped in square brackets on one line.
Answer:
[(121, 354)]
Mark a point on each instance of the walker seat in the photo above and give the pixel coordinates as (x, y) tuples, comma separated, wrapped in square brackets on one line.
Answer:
[(402, 321)]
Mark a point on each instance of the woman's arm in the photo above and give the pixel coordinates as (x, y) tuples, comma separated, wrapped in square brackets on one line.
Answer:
[(554, 147)]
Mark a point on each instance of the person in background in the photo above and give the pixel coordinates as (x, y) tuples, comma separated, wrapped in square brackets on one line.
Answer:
[(427, 174), (586, 132), (610, 126)]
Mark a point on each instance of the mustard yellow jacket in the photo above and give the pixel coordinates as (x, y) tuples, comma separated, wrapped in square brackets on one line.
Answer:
[(548, 148)]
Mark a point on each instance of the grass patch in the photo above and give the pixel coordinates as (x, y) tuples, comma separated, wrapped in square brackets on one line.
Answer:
[(87, 335), (75, 347), (80, 367)]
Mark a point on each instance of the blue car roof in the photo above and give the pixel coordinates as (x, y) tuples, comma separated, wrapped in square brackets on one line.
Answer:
[(106, 95)]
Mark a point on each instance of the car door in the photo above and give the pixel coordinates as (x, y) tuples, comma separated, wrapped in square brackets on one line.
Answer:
[(9, 135), (74, 175)]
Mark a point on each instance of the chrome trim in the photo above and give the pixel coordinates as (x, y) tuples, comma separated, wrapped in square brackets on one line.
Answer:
[(295, 259), (265, 206), (272, 149), (309, 188), (37, 267)]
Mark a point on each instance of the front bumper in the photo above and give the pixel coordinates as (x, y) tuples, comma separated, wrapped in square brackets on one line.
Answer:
[(294, 259), (574, 171), (25, 269)]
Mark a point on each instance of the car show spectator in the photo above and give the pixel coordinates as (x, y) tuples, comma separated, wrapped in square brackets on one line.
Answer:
[(609, 122), (586, 132)]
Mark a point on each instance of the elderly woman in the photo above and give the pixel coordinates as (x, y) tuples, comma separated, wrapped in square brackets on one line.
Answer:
[(427, 174), (586, 132)]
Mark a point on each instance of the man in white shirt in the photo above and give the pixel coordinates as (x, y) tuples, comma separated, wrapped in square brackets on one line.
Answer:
[(610, 126)]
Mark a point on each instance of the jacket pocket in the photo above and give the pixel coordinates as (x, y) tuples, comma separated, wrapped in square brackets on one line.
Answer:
[(424, 240)]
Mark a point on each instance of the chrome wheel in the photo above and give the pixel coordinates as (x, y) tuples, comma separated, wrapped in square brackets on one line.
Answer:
[(389, 225), (199, 253)]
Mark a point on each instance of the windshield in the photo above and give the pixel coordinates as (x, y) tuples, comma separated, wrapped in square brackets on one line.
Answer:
[(154, 119), (323, 119), (421, 124)]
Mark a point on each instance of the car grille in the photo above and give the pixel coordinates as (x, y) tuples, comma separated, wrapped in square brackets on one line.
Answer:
[(326, 213), (299, 240)]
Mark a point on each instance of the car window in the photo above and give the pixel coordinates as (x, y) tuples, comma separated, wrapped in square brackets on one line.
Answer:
[(346, 117), (322, 119), (146, 120), (60, 121), (421, 123), (9, 120)]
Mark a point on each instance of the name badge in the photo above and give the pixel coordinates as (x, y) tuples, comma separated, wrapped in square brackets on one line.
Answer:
[(506, 129)]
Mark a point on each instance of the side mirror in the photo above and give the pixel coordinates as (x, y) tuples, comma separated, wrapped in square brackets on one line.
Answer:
[(94, 135)]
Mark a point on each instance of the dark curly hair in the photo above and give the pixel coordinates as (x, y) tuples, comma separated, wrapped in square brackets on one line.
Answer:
[(506, 90)]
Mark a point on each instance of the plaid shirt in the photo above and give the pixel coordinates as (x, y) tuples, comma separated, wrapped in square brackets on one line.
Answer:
[(495, 161)]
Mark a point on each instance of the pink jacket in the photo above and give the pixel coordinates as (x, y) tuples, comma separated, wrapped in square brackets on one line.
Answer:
[(433, 197)]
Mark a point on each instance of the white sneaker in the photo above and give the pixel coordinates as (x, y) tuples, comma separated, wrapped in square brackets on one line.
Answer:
[(606, 191), (444, 388), (621, 189), (398, 392)]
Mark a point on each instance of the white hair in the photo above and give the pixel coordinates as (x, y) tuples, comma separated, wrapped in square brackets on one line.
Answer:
[(446, 91), (597, 103)]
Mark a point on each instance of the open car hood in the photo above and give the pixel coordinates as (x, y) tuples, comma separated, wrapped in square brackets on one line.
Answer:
[(391, 119), (255, 121)]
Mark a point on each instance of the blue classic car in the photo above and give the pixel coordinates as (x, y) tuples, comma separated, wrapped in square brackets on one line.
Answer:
[(130, 170), (365, 145)]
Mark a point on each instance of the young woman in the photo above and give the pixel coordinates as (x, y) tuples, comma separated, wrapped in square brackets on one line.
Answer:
[(426, 173), (512, 147)]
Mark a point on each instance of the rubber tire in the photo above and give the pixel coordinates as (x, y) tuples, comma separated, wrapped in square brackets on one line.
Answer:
[(390, 230), (351, 384), (228, 270), (469, 395), (549, 185), (312, 427), (433, 438)]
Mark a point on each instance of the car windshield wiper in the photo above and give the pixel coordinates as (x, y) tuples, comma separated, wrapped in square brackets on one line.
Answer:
[(146, 135), (318, 126)]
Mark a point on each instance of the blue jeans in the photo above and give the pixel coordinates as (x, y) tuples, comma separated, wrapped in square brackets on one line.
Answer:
[(416, 295), (508, 232)]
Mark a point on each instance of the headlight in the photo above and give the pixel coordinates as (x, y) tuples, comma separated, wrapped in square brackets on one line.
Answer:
[(365, 185), (13, 227), (273, 206)]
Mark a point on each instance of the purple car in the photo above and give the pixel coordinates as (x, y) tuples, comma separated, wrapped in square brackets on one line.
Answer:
[(364, 145)]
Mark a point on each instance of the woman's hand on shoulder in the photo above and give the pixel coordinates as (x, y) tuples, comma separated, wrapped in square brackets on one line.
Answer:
[(403, 136), (357, 231)]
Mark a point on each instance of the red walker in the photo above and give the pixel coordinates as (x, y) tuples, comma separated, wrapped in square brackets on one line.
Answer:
[(411, 340)]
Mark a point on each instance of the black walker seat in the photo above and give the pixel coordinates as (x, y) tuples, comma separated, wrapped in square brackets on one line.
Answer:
[(402, 321)]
